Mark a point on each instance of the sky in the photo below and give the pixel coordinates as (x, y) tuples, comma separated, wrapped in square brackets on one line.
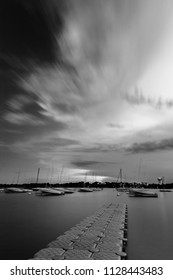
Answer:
[(86, 89)]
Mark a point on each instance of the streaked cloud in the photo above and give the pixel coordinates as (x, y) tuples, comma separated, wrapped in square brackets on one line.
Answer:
[(153, 146), (81, 163), (22, 119), (99, 57), (19, 102), (137, 97), (85, 163)]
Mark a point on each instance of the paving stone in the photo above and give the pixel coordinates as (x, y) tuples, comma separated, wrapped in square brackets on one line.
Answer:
[(48, 253), (60, 244), (105, 256), (77, 255)]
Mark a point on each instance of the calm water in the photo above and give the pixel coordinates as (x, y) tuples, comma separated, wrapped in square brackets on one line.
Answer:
[(29, 222)]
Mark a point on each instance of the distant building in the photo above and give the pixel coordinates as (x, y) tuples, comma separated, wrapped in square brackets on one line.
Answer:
[(160, 180)]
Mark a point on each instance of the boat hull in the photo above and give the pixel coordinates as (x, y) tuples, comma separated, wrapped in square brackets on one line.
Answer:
[(13, 190), (48, 192), (85, 190), (163, 190), (142, 193)]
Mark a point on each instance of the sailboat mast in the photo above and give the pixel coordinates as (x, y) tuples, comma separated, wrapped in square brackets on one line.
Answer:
[(38, 172), (120, 175)]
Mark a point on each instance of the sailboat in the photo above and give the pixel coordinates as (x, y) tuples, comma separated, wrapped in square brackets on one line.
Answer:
[(48, 192), (36, 187), (14, 190), (142, 193), (165, 190), (85, 190), (65, 190)]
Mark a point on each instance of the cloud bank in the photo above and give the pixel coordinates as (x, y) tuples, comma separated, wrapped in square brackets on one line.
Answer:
[(151, 146)]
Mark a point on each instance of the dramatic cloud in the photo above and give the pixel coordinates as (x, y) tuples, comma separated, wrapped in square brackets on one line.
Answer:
[(104, 47), (147, 147)]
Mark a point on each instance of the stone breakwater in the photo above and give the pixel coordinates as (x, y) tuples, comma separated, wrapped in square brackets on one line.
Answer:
[(101, 236)]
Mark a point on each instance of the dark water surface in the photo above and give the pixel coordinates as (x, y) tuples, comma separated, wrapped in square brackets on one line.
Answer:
[(29, 222)]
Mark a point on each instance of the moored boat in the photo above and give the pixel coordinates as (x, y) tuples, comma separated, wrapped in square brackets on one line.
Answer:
[(65, 190), (14, 190), (69, 190), (85, 190), (142, 193), (48, 191), (165, 190)]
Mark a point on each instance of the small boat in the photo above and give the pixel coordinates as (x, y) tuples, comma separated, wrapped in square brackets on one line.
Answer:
[(85, 190), (65, 190), (118, 194), (142, 193), (58, 189), (48, 191), (14, 190), (69, 190), (165, 190)]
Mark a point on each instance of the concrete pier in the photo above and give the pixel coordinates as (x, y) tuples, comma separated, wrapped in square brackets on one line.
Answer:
[(101, 236)]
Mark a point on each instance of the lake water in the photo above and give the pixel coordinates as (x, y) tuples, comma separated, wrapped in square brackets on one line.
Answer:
[(29, 222)]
